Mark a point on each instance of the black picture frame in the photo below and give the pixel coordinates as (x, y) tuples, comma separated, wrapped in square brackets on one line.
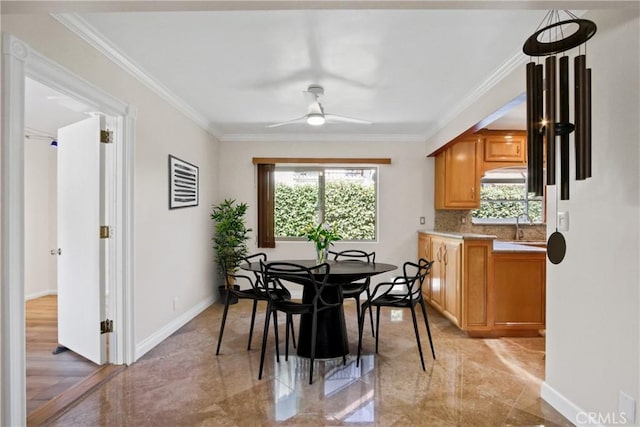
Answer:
[(184, 183)]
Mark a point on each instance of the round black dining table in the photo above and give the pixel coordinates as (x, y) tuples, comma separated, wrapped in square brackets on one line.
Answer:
[(332, 340)]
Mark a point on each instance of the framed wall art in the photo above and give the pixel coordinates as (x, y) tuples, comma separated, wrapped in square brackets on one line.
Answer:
[(183, 183)]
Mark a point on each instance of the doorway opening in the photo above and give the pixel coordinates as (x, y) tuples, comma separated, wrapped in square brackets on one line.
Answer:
[(66, 172), (19, 63)]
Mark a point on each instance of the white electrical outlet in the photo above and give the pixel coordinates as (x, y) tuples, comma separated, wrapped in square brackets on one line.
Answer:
[(563, 221), (627, 408)]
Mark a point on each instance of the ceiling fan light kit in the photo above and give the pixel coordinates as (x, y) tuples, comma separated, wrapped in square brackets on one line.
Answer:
[(315, 119), (315, 112)]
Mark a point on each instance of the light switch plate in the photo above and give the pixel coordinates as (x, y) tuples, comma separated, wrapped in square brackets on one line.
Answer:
[(563, 221), (422, 220)]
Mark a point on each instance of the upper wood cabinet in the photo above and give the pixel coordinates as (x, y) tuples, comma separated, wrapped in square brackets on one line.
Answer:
[(504, 147), (457, 174)]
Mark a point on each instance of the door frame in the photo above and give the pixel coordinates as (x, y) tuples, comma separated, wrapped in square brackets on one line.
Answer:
[(20, 61)]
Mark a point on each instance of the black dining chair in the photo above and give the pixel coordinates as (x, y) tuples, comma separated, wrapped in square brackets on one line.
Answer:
[(314, 280), (247, 287), (403, 292), (356, 289)]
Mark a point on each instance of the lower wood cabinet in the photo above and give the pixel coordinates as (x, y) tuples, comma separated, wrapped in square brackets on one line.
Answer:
[(484, 293)]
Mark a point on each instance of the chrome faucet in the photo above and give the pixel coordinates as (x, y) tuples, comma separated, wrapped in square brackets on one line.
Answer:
[(520, 233)]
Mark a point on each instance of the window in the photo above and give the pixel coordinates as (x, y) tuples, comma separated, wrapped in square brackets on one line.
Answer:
[(504, 197), (345, 197)]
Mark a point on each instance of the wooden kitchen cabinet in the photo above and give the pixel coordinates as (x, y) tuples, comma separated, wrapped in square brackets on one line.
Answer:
[(442, 289), (486, 289), (457, 174), (452, 272), (505, 146)]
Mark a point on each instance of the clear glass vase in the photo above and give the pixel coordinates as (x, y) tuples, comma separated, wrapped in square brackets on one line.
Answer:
[(321, 255)]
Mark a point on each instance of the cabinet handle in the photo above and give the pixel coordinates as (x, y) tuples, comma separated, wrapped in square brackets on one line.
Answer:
[(473, 193), (518, 149), (439, 254), (446, 256)]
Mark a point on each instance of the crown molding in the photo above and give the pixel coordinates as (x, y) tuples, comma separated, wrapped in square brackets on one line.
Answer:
[(95, 39), (309, 137)]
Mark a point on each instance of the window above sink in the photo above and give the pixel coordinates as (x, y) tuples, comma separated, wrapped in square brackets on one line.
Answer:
[(504, 198)]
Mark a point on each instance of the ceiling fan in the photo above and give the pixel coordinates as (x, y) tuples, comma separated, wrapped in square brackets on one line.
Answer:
[(316, 115)]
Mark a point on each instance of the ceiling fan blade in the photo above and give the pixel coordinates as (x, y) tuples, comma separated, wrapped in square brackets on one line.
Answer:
[(335, 118), (302, 119)]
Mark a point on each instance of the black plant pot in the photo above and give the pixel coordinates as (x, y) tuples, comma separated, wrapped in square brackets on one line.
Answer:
[(233, 299)]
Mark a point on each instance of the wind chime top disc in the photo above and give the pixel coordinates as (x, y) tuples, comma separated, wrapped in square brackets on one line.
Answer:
[(534, 47)]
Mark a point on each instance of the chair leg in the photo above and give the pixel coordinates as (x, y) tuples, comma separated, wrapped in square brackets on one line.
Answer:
[(286, 339), (253, 318), (426, 323), (377, 326), (275, 331), (360, 327), (373, 333), (265, 334), (224, 320), (314, 336), (293, 332), (415, 329)]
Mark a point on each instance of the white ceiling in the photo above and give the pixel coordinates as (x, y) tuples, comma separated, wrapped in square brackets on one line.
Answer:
[(234, 72)]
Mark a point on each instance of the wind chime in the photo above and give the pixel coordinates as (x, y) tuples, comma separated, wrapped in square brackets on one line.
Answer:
[(547, 119)]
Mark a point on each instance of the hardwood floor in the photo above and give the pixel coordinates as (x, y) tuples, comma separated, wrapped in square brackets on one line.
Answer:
[(49, 375)]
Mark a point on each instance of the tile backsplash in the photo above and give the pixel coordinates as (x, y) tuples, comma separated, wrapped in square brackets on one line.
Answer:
[(459, 221)]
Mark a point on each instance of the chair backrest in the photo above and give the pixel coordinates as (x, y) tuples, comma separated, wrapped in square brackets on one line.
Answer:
[(414, 275), (354, 255), (315, 279)]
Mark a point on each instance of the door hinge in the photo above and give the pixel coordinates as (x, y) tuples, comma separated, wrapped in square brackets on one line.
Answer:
[(106, 326), (105, 231), (106, 136)]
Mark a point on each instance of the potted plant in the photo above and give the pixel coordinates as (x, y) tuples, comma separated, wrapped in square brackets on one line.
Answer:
[(230, 239)]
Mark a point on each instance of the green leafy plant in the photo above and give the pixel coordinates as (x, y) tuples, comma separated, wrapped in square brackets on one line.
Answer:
[(322, 235), (231, 235)]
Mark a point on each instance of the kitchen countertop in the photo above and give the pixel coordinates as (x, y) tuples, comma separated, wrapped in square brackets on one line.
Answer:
[(455, 235), (502, 246)]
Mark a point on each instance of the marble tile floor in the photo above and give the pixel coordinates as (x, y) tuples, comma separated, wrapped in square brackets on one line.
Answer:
[(181, 382)]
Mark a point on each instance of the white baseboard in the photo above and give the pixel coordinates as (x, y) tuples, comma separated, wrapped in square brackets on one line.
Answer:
[(567, 408), (150, 342), (40, 294)]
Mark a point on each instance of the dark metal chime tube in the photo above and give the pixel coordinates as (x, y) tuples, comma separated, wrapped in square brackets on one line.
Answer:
[(550, 119), (539, 137), (580, 83), (587, 127), (564, 120), (531, 125)]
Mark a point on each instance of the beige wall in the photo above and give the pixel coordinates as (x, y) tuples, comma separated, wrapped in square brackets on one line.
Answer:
[(592, 296), (172, 248), (40, 217), (405, 189)]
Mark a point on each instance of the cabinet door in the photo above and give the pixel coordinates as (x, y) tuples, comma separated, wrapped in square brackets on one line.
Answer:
[(505, 148), (437, 274), (452, 297), (424, 251), (461, 181)]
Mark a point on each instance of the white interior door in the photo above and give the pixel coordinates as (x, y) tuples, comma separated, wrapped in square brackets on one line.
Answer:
[(80, 293)]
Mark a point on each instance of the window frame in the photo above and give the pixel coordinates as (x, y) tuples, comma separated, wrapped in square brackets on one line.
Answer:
[(266, 189), (527, 199)]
